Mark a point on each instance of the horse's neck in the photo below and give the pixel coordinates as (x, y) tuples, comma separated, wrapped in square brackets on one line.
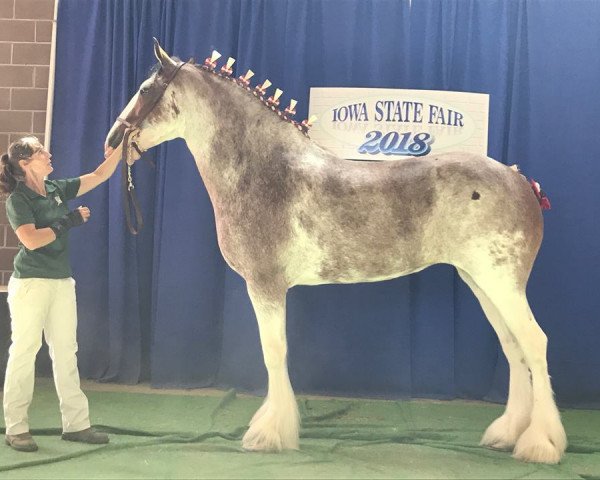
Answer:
[(236, 135)]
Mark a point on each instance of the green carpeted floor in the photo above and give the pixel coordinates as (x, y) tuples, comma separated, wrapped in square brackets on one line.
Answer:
[(183, 436)]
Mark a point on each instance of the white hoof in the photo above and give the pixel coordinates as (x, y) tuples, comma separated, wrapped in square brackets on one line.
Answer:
[(504, 432), (273, 430), (540, 445)]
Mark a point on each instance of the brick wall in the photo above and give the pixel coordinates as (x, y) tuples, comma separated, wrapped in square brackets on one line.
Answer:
[(25, 38)]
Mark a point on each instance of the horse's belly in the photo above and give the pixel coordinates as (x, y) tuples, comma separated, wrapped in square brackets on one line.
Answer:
[(312, 262), (354, 277)]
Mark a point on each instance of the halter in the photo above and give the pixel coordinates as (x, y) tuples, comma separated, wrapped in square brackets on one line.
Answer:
[(132, 122)]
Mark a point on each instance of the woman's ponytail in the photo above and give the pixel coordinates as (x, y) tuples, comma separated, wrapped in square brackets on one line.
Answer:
[(7, 180), (10, 170)]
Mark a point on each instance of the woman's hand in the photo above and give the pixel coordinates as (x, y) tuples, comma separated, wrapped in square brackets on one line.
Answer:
[(90, 181), (84, 212), (112, 152)]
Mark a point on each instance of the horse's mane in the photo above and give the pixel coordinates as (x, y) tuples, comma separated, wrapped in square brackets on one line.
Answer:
[(256, 92), (267, 102)]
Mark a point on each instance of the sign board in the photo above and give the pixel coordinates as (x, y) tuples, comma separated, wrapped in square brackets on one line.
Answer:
[(391, 124)]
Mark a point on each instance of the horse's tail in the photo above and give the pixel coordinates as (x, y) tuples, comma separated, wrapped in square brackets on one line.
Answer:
[(543, 199), (541, 196)]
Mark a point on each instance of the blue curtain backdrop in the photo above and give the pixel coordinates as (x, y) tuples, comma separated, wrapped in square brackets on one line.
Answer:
[(164, 307)]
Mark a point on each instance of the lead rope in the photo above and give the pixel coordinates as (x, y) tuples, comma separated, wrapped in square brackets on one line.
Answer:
[(129, 198)]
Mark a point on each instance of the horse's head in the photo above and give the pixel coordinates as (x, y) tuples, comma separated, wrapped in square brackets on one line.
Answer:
[(153, 113)]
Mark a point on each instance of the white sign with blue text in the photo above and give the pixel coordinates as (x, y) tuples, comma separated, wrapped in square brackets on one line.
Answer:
[(391, 124)]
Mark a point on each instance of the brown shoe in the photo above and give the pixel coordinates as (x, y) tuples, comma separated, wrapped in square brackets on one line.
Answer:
[(23, 442), (89, 435)]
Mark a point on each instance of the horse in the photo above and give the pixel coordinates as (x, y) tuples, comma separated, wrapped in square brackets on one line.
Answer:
[(288, 212)]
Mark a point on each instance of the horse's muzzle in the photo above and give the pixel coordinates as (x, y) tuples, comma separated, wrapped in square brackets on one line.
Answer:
[(115, 136)]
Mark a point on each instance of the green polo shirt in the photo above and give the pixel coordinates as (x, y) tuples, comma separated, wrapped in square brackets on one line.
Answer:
[(25, 206)]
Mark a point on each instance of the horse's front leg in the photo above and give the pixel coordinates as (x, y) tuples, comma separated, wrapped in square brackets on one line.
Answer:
[(275, 425)]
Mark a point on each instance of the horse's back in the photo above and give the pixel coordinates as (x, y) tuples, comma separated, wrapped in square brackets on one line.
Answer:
[(362, 221)]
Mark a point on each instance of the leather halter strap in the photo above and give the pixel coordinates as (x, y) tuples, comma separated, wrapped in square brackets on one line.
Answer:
[(132, 122)]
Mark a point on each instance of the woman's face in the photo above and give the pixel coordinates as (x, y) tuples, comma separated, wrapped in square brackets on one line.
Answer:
[(39, 164)]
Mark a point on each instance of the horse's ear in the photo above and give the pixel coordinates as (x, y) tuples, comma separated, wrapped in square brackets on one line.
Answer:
[(162, 56)]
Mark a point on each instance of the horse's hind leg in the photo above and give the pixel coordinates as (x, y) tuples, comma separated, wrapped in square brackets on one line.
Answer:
[(544, 440), (275, 425), (505, 430)]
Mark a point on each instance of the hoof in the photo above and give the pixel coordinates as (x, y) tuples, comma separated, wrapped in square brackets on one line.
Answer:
[(255, 441), (268, 440), (539, 453), (273, 429), (503, 433), (538, 446)]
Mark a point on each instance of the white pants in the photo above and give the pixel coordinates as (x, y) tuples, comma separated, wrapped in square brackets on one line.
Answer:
[(43, 305)]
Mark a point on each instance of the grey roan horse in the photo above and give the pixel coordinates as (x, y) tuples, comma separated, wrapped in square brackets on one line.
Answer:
[(291, 213)]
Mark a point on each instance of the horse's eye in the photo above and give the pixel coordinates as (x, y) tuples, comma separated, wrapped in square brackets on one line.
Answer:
[(144, 90)]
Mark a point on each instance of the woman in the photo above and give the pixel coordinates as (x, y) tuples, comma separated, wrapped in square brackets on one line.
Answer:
[(41, 291)]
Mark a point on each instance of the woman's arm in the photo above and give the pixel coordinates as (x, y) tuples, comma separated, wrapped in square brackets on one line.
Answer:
[(102, 173), (34, 238)]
